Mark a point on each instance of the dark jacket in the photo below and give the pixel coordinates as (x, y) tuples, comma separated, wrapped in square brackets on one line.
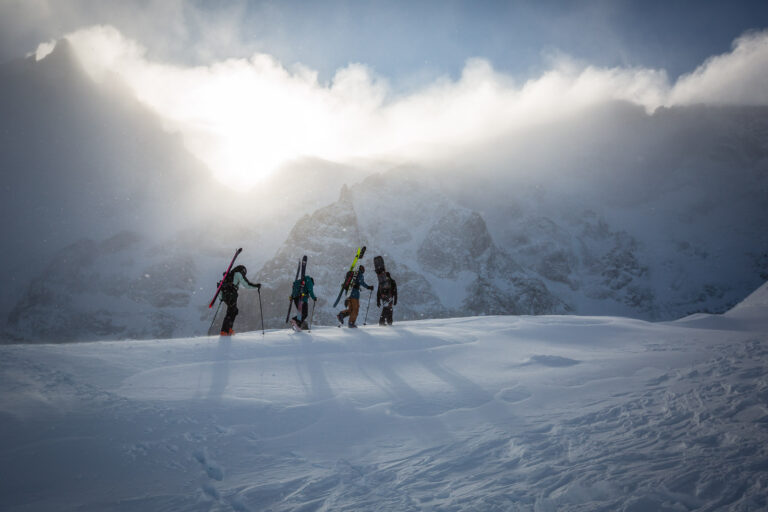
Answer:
[(392, 292), (356, 284), (234, 280)]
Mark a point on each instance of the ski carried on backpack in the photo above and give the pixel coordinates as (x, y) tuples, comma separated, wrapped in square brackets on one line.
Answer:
[(213, 301), (300, 294), (290, 299), (300, 270), (385, 285), (350, 274)]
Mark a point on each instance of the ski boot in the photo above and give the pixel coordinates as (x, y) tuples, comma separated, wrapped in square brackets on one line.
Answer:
[(340, 318)]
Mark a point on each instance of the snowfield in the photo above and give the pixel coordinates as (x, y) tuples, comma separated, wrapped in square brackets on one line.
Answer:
[(484, 413)]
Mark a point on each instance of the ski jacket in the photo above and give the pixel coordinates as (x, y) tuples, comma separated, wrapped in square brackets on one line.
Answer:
[(240, 280), (230, 287), (356, 284), (309, 289)]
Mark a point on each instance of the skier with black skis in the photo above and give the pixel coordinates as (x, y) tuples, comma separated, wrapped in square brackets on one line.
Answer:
[(300, 296), (229, 287), (387, 295), (354, 298)]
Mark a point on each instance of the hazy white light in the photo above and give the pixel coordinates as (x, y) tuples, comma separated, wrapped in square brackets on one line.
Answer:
[(247, 117)]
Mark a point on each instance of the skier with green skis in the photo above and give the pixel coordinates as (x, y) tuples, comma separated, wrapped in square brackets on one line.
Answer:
[(354, 298)]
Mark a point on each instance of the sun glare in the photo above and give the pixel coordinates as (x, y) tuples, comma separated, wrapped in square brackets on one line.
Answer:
[(245, 118)]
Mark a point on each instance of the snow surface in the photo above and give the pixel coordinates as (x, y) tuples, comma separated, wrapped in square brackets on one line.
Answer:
[(486, 413)]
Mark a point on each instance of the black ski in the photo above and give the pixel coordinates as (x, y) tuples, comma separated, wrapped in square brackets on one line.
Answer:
[(350, 274), (290, 300), (302, 288)]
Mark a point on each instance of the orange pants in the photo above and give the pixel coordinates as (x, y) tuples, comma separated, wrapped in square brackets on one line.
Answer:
[(352, 309)]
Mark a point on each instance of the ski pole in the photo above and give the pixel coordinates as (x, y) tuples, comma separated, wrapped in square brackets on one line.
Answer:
[(261, 311), (214, 318), (311, 315), (369, 306)]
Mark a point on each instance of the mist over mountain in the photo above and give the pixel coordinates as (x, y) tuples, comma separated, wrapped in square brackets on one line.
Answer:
[(84, 165), (119, 233), (663, 214), (650, 216)]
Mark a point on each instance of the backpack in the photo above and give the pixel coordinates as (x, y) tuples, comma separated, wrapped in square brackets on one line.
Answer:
[(385, 286), (351, 274), (229, 290)]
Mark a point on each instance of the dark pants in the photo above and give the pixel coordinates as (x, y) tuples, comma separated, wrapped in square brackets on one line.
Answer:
[(302, 307), (229, 319), (386, 315), (386, 311)]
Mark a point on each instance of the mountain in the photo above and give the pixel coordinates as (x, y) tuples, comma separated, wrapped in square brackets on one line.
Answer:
[(619, 211), (521, 413), (614, 211), (441, 255), (82, 161), (96, 192)]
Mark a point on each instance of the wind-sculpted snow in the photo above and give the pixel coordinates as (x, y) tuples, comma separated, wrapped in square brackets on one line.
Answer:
[(484, 413)]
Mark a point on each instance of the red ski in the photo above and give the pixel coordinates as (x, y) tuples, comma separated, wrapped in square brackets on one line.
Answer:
[(225, 275)]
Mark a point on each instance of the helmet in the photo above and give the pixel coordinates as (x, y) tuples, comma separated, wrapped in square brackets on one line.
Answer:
[(362, 268), (240, 268)]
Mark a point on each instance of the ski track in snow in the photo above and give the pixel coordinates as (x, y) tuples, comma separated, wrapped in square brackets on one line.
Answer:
[(493, 413)]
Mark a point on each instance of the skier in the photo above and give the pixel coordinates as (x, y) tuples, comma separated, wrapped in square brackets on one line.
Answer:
[(300, 300), (354, 298), (386, 294), (232, 282)]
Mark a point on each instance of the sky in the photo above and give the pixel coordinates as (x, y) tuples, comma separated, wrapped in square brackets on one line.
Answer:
[(253, 86)]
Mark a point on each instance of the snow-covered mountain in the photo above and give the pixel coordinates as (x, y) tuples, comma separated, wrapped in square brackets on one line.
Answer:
[(621, 212), (615, 211), (95, 194), (658, 216), (441, 255), (525, 413)]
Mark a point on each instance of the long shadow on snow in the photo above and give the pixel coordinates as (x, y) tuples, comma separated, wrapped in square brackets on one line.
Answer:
[(220, 369)]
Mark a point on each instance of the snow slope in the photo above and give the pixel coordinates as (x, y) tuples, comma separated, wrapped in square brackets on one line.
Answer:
[(494, 413)]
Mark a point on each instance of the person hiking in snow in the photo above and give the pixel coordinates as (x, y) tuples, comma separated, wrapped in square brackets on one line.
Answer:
[(354, 298), (232, 282), (301, 300), (387, 295)]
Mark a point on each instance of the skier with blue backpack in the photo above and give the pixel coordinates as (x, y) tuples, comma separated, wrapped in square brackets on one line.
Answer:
[(300, 296)]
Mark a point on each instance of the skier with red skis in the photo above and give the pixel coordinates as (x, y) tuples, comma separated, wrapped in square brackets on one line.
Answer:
[(229, 287)]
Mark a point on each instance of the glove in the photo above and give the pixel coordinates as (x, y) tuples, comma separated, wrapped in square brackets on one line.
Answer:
[(314, 299), (258, 286), (370, 287)]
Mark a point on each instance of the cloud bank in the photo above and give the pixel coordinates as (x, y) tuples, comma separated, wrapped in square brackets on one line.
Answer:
[(245, 118)]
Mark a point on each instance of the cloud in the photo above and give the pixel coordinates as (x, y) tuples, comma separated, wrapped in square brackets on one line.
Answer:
[(739, 77), (246, 117)]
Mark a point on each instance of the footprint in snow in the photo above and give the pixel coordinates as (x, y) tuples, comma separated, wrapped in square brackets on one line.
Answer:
[(212, 469), (514, 394), (552, 361)]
